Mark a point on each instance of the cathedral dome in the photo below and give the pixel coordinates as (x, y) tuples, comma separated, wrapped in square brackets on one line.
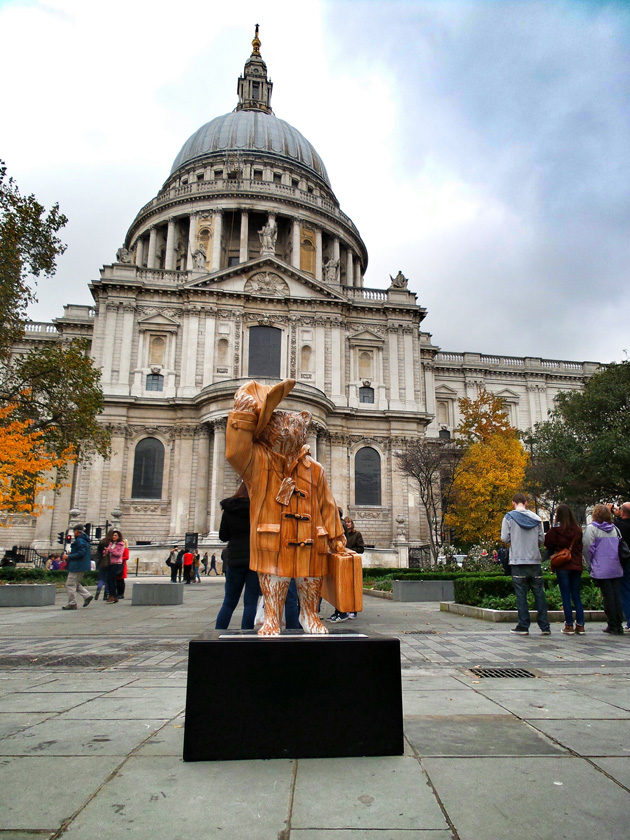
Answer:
[(251, 131)]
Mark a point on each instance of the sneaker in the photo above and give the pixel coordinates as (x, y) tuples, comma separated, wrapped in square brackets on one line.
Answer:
[(353, 615), (545, 632), (626, 629), (69, 607), (98, 592), (335, 619), (520, 630), (579, 629), (568, 629), (88, 600)]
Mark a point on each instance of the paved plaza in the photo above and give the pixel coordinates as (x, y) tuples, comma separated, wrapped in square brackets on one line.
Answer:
[(91, 734)]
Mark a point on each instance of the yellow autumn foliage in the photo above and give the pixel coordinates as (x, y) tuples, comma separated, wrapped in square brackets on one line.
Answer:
[(24, 461), (492, 471)]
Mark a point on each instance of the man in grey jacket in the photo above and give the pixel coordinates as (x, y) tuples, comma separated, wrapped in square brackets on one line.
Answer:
[(523, 531)]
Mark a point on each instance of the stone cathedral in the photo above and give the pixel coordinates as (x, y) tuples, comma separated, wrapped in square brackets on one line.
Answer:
[(244, 266)]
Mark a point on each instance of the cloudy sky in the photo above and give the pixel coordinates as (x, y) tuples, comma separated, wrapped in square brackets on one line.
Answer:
[(480, 146)]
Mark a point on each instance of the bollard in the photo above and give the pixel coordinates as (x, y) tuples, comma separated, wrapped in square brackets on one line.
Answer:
[(137, 562)]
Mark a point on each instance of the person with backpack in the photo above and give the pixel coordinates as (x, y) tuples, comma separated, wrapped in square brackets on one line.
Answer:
[(523, 531)]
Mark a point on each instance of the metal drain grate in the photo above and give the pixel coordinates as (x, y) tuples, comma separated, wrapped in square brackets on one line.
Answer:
[(57, 661), (478, 671), (421, 632)]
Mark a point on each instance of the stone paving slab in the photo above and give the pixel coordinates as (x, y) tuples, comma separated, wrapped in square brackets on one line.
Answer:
[(446, 703), (12, 722), (106, 708), (548, 703), (618, 768), (24, 701), (350, 834), (529, 799), (153, 797), (364, 793), (590, 737), (476, 735), (39, 793), (62, 737)]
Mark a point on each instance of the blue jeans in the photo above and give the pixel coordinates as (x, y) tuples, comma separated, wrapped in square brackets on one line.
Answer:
[(292, 608), (237, 577), (570, 583), (625, 594), (529, 576)]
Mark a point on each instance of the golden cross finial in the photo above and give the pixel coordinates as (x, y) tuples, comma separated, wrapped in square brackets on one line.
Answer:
[(256, 43)]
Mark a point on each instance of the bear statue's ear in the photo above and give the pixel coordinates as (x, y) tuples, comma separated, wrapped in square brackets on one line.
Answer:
[(306, 415)]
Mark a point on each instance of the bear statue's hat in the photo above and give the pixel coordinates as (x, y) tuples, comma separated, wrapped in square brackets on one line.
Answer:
[(268, 398)]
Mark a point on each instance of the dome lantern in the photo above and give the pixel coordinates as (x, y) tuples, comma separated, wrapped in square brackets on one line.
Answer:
[(254, 88)]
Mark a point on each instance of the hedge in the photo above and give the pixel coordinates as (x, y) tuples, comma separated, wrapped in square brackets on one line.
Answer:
[(473, 589), (10, 574), (420, 574)]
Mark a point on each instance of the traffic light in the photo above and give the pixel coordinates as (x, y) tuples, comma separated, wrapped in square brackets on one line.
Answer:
[(61, 537)]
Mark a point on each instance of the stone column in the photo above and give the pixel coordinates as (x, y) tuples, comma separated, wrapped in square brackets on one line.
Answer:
[(139, 251), (349, 267), (295, 239), (410, 395), (216, 241), (357, 274), (111, 314), (208, 362), (218, 473), (318, 254), (169, 257), (192, 238), (201, 495), (429, 388), (544, 408), (190, 345), (531, 398), (394, 393), (244, 249), (152, 261), (336, 248), (124, 365), (320, 353), (338, 360)]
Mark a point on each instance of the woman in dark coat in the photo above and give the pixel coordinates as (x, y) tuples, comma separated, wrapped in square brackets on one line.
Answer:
[(567, 534), (234, 530)]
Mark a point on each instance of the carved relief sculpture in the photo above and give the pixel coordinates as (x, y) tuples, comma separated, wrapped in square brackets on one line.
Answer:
[(399, 281), (199, 258), (268, 235), (294, 517), (331, 270), (123, 255)]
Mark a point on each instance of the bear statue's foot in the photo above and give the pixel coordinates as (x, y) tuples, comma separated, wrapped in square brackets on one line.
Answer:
[(312, 624), (269, 628)]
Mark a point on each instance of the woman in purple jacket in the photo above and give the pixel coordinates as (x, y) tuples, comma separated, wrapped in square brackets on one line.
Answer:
[(601, 555)]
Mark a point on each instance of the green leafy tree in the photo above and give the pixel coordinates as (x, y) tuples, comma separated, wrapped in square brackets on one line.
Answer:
[(53, 388), (582, 453)]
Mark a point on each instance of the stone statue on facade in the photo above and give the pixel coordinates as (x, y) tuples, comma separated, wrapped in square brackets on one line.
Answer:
[(123, 255), (268, 235), (294, 520), (399, 281), (331, 270), (199, 258)]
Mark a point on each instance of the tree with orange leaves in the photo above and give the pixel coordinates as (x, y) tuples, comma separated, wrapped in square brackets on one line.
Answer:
[(24, 463), (492, 469)]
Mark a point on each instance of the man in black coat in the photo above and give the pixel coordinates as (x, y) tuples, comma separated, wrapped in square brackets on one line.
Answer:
[(622, 521)]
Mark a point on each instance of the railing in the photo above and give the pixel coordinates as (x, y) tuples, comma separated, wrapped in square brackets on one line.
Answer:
[(364, 294), (24, 554), (458, 358), (153, 275), (507, 361), (39, 327)]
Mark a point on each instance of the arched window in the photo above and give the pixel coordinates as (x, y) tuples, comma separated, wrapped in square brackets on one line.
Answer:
[(264, 351), (222, 351), (365, 365), (367, 477), (148, 469), (158, 346), (366, 394)]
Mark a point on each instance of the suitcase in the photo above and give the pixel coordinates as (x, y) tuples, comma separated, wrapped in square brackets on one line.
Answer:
[(343, 585)]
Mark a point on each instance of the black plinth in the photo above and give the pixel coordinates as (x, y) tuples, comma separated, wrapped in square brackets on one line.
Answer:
[(292, 697)]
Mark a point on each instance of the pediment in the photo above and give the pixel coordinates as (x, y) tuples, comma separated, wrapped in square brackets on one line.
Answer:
[(267, 277), (508, 395), (366, 337), (445, 392), (157, 321)]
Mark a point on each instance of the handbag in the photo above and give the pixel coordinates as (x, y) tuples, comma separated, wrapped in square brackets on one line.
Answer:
[(561, 558), (624, 550)]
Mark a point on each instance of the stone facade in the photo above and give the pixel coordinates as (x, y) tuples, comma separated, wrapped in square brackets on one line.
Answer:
[(244, 266)]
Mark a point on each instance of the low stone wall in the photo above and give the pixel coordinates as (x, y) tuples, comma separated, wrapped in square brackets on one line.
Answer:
[(422, 590), (157, 594), (385, 558), (512, 615), (27, 595)]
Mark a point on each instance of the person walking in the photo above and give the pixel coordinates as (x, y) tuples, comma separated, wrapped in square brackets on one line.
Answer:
[(234, 529), (600, 550), (204, 563), (213, 565), (567, 534), (188, 561), (78, 563), (196, 565), (522, 530), (102, 565), (114, 549), (121, 579), (622, 521)]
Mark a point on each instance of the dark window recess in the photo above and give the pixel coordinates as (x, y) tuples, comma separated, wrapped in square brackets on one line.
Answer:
[(277, 179), (155, 382), (232, 261), (255, 90), (444, 434), (264, 351), (366, 395), (367, 477), (148, 468)]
